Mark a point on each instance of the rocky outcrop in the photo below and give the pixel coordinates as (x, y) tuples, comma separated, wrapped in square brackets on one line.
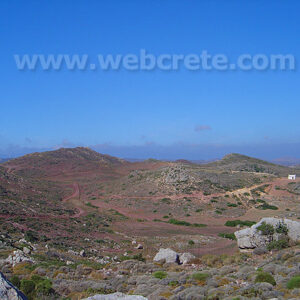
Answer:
[(170, 256), (251, 238), (18, 256), (167, 255), (116, 296), (176, 174), (8, 291)]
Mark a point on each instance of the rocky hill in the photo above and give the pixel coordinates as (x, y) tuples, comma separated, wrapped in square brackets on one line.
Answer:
[(243, 163), (64, 161)]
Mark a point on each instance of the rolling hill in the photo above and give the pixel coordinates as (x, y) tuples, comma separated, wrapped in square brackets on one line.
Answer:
[(64, 161)]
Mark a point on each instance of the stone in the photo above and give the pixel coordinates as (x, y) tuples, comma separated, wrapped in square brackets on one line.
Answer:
[(139, 246), (82, 253), (251, 238), (168, 255), (8, 291), (186, 258), (26, 250), (17, 257)]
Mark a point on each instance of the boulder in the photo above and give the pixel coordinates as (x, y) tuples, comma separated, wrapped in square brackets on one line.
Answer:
[(186, 258), (116, 296), (139, 246), (26, 250), (168, 255), (251, 238), (8, 291)]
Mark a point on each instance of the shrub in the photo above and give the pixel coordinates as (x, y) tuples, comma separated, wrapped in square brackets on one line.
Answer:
[(267, 206), (231, 204), (294, 282), (27, 287), (200, 276), (15, 280), (191, 243), (229, 236), (166, 200), (36, 278), (265, 277), (266, 229), (178, 222), (282, 228), (173, 283), (234, 223), (139, 257), (199, 225), (278, 245), (160, 274), (44, 287), (31, 236)]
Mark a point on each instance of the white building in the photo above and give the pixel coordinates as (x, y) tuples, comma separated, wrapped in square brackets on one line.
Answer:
[(292, 177)]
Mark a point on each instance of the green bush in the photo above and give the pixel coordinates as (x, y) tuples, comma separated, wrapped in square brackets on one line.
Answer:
[(160, 274), (294, 283), (229, 236), (267, 206), (36, 278), (44, 287), (15, 280), (173, 283), (178, 222), (139, 257), (278, 245), (282, 228), (234, 223), (266, 229), (191, 242), (200, 276), (231, 204), (199, 225), (265, 277), (27, 287), (31, 236)]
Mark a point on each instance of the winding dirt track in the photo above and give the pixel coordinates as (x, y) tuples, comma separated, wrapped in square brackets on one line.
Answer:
[(75, 195), (77, 203)]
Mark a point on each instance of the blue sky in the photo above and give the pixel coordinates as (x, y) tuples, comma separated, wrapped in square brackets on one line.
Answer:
[(180, 114)]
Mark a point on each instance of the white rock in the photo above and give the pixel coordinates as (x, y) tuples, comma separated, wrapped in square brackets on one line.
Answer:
[(116, 296), (26, 250), (8, 291), (186, 258), (139, 246), (251, 238), (17, 257), (169, 255)]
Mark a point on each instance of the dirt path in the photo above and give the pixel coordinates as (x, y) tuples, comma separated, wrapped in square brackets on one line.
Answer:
[(75, 194), (9, 168), (77, 204), (75, 197)]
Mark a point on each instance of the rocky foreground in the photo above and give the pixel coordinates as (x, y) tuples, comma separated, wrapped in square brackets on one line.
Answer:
[(270, 271)]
